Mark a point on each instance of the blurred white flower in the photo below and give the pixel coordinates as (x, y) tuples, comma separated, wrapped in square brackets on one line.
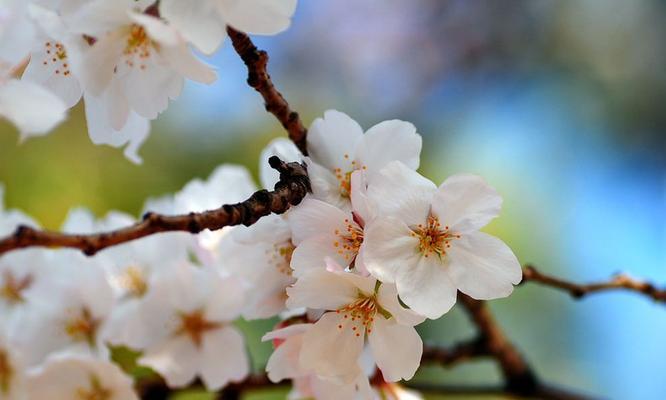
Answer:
[(203, 22), (69, 314), (77, 377), (12, 374), (188, 319), (427, 240), (359, 307), (337, 147)]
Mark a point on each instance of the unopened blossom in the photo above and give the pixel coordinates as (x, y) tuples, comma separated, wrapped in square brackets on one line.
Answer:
[(70, 315), (203, 22), (337, 147), (358, 308), (284, 363), (428, 242), (79, 378), (188, 318), (56, 64), (137, 63), (12, 373)]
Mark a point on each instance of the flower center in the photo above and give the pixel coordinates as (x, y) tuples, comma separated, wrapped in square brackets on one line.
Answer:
[(6, 372), (344, 177), (359, 315), (57, 55), (432, 238), (138, 45), (195, 325), (96, 391), (133, 281), (83, 327), (13, 288), (349, 241), (280, 256)]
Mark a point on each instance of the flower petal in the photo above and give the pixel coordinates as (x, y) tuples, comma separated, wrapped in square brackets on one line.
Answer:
[(312, 254), (224, 358), (427, 287), (284, 362), (176, 359), (260, 17), (396, 348), (388, 299), (329, 351), (331, 138), (401, 192), (466, 203), (389, 247), (315, 218), (33, 109), (321, 289), (483, 267), (388, 141), (198, 21)]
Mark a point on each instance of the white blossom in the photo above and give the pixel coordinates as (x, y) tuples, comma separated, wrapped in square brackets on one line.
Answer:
[(188, 319), (79, 378), (337, 147), (427, 240), (203, 22), (358, 308)]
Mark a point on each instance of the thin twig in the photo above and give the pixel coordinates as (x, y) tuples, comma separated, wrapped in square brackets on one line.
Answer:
[(459, 353), (618, 282), (258, 78), (290, 190)]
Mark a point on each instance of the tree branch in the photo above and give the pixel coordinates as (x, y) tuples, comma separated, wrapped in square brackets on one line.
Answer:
[(290, 190), (519, 378), (459, 353), (618, 282), (258, 78)]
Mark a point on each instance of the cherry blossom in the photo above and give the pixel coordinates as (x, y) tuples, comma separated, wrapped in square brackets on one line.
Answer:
[(359, 307), (71, 314), (428, 243), (79, 378), (188, 320), (203, 22), (338, 147)]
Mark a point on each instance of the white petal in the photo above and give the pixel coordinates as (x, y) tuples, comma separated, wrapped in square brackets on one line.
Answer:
[(182, 60), (286, 332), (330, 351), (100, 61), (388, 299), (313, 218), (97, 17), (284, 362), (389, 247), (261, 17), (224, 358), (314, 253), (176, 359), (483, 267), (388, 141), (325, 185), (427, 287), (159, 31), (227, 300), (331, 138), (33, 109), (401, 192), (321, 289), (396, 348), (198, 22), (466, 203), (286, 150)]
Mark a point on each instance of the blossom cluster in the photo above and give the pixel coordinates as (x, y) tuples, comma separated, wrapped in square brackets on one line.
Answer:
[(373, 251), (125, 58)]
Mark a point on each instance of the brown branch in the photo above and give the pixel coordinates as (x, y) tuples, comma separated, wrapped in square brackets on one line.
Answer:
[(257, 66), (461, 352), (519, 378), (155, 388), (618, 282), (290, 190)]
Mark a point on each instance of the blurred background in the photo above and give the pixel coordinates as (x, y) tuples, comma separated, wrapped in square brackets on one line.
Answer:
[(560, 104)]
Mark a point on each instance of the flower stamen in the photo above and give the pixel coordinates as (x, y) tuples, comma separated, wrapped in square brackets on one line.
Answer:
[(195, 325), (433, 239), (6, 372), (13, 288), (83, 327), (96, 391)]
